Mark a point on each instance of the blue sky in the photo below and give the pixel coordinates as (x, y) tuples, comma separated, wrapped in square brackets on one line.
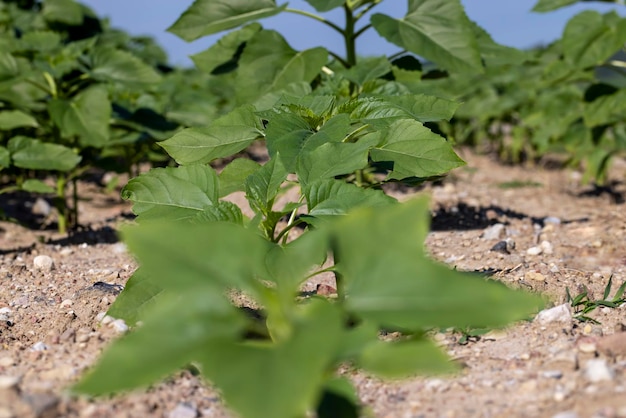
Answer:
[(509, 22)]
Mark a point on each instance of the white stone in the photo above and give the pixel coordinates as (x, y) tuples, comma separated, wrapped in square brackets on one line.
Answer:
[(598, 370), (5, 311), (67, 303), (8, 382), (39, 346), (43, 262), (119, 325), (183, 411), (534, 251), (496, 231), (546, 247), (559, 313)]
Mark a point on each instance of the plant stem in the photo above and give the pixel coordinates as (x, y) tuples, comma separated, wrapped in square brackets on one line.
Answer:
[(349, 37), (338, 58), (316, 17), (60, 204), (367, 9), (396, 55), (360, 31), (339, 279)]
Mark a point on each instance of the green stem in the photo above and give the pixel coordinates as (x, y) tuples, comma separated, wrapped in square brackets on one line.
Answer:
[(339, 279), (397, 54), (60, 204), (341, 60), (349, 37), (316, 17)]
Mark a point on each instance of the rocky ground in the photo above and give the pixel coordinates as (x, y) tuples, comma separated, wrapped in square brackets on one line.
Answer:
[(530, 227)]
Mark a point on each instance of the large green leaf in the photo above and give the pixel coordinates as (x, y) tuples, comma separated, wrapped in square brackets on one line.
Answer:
[(178, 256), (40, 41), (330, 197), (494, 54), (382, 111), (8, 66), (11, 119), (86, 116), (223, 55), (283, 379), (590, 38), (390, 280), (333, 159), (173, 192), (139, 295), (549, 5), (268, 63), (114, 65), (36, 155), (176, 331), (404, 358), (206, 17), (437, 30), (224, 137), (415, 151)]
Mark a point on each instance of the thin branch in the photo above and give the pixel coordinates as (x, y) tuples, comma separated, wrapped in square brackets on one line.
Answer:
[(360, 31), (339, 58), (367, 9), (397, 54), (316, 17)]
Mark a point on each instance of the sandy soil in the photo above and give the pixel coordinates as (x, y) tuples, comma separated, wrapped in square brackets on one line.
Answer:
[(566, 235)]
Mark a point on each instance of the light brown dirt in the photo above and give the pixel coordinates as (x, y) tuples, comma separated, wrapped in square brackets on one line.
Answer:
[(528, 370)]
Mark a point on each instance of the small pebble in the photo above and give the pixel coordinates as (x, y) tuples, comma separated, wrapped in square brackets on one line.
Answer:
[(66, 303), (5, 311), (504, 246), (566, 414), (552, 220), (66, 251), (43, 263), (598, 370), (39, 346), (546, 247), (496, 231), (559, 313), (183, 410), (8, 382), (552, 374), (7, 361), (41, 207), (534, 276), (534, 251), (119, 325)]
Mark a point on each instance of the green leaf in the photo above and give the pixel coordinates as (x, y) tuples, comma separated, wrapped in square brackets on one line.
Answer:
[(382, 111), (339, 400), (402, 359), (173, 192), (222, 211), (285, 136), (11, 119), (333, 159), (368, 69), (549, 5), (224, 137), (181, 256), (261, 380), (606, 109), (86, 116), (402, 288), (118, 66), (139, 295), (169, 339), (233, 176), (40, 41), (268, 64), (36, 155), (36, 186), (590, 38), (415, 151), (494, 54), (437, 30), (330, 197), (8, 66), (64, 11), (5, 158), (263, 185), (325, 5), (206, 17), (225, 52)]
